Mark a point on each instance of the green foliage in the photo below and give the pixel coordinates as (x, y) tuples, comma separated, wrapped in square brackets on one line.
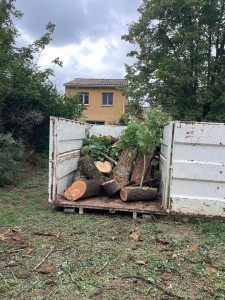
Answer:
[(145, 135), (11, 150), (115, 152), (27, 96), (96, 147), (179, 58), (129, 136)]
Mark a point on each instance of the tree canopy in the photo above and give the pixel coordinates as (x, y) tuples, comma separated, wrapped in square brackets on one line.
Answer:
[(27, 95), (180, 59)]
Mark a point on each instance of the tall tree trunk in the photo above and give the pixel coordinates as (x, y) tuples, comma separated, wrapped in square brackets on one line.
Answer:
[(139, 168), (125, 166)]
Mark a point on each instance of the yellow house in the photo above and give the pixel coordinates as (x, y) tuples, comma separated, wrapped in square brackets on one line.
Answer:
[(103, 100)]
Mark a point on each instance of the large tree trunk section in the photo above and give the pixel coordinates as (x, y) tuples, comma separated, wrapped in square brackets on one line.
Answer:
[(83, 189), (148, 173), (89, 169), (111, 187), (139, 166), (79, 175), (125, 166), (104, 166), (137, 193)]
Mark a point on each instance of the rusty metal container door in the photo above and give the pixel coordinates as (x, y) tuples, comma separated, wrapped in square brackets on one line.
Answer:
[(197, 185), (165, 161), (66, 139)]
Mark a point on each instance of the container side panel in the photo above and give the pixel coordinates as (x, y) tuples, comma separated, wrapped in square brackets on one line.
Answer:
[(198, 169), (203, 207), (165, 153), (63, 183), (66, 145), (51, 161), (66, 140), (200, 133), (114, 131), (197, 188), (67, 163), (207, 153)]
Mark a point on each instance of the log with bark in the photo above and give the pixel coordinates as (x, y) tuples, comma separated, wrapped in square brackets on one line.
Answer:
[(110, 159), (104, 167), (138, 171), (138, 193), (111, 187), (112, 139), (83, 189), (79, 175), (125, 166), (89, 169)]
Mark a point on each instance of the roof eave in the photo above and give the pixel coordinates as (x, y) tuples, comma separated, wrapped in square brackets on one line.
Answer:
[(92, 86)]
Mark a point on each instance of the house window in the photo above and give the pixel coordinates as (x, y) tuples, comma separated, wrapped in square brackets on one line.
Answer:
[(96, 122), (84, 98), (107, 99)]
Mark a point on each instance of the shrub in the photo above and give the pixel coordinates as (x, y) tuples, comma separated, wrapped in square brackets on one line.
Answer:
[(10, 151)]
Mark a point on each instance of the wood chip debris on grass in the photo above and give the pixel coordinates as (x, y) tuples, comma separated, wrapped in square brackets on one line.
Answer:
[(47, 233)]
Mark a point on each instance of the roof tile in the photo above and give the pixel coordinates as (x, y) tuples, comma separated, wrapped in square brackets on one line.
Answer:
[(91, 82)]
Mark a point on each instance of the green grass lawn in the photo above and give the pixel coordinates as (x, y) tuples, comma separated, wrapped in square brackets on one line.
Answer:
[(95, 255)]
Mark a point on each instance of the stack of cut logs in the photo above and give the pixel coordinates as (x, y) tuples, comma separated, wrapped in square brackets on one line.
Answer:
[(110, 177)]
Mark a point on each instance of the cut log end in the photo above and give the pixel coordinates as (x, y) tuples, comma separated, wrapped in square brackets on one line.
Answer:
[(104, 166), (75, 191), (83, 189), (123, 194)]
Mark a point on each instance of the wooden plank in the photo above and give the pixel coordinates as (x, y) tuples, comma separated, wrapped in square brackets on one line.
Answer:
[(134, 215), (106, 203)]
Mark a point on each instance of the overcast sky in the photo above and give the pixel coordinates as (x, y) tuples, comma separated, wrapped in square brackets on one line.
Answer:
[(87, 36)]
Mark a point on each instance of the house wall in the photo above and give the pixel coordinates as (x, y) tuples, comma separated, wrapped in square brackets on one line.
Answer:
[(95, 111)]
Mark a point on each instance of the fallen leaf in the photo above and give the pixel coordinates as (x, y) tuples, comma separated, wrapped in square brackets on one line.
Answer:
[(165, 278), (209, 270), (141, 239), (211, 291), (131, 257), (134, 235), (16, 238), (182, 259), (141, 262), (47, 269), (57, 235), (17, 230), (113, 238), (192, 249), (50, 282), (162, 241), (29, 251), (2, 235)]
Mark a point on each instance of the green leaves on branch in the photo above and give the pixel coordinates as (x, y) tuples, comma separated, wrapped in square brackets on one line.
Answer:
[(180, 58), (146, 135)]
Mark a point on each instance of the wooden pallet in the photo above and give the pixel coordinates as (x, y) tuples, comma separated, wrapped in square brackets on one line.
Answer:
[(113, 205)]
